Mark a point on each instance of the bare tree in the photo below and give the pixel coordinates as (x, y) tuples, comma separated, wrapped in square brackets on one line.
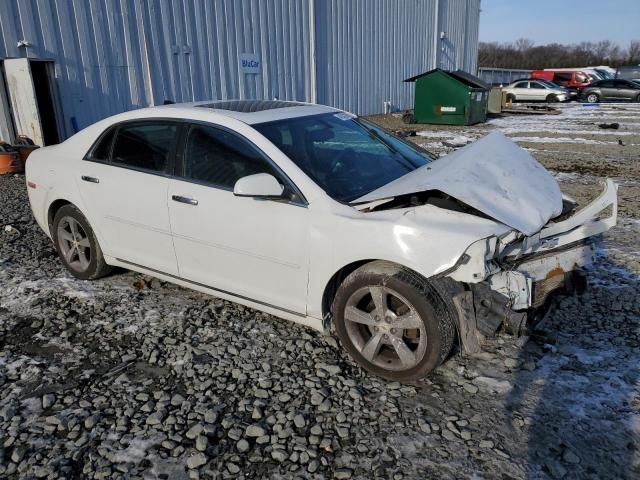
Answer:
[(633, 52), (523, 53)]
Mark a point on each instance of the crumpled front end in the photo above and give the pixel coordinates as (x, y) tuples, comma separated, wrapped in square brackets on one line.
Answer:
[(511, 276)]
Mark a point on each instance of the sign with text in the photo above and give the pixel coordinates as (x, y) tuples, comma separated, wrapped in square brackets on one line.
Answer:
[(249, 63)]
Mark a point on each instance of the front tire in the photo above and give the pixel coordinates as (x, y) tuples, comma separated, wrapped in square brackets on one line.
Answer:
[(393, 322), (511, 98), (77, 245), (593, 98), (552, 99)]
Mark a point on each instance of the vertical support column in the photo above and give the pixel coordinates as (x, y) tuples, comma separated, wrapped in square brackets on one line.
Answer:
[(148, 84), (436, 37), (312, 53)]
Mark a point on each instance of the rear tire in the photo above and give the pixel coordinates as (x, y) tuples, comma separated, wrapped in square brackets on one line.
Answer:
[(593, 98), (637, 99), (77, 245), (393, 322)]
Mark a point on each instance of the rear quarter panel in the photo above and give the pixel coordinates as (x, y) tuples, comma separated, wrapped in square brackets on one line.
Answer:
[(53, 171)]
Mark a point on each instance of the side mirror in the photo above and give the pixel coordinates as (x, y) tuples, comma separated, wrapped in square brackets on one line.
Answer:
[(259, 185)]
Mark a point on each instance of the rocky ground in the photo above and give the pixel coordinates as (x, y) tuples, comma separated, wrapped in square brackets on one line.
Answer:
[(130, 377)]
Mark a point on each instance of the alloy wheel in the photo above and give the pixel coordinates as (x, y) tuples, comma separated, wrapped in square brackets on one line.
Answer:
[(385, 328), (74, 244)]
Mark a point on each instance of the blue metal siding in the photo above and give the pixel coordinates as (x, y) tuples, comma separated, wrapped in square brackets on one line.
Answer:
[(502, 76), (459, 20), (366, 48), (117, 55)]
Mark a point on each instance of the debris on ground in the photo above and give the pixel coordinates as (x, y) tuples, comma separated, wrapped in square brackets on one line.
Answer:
[(611, 126), (405, 133), (531, 110)]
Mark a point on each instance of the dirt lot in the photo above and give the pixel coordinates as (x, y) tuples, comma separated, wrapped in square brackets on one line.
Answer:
[(129, 377)]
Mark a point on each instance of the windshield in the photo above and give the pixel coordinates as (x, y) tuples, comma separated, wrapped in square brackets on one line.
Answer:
[(604, 74), (346, 156), (550, 84)]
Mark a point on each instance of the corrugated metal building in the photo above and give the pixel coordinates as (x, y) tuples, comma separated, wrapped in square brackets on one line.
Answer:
[(89, 59)]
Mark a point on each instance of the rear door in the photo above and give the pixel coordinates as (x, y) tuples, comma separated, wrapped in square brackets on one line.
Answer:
[(521, 91), (124, 182), (256, 249)]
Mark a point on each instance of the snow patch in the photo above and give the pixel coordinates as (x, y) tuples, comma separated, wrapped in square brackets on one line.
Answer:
[(493, 384), (584, 141), (136, 451)]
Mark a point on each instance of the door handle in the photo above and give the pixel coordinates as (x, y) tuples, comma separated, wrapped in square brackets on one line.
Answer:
[(90, 179), (182, 199)]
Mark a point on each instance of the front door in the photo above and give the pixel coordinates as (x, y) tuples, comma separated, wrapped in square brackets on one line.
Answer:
[(253, 248), (124, 184), (537, 91), (608, 89)]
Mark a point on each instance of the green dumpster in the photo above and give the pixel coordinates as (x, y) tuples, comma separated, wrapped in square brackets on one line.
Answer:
[(449, 98)]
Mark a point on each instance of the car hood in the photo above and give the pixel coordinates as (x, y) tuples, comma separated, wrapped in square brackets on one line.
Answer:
[(493, 175)]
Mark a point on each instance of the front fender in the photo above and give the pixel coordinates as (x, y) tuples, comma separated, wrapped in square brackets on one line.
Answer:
[(426, 239)]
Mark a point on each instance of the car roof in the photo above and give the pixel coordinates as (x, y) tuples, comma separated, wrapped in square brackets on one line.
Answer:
[(253, 111)]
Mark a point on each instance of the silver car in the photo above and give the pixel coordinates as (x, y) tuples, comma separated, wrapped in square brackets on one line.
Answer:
[(612, 90), (535, 91)]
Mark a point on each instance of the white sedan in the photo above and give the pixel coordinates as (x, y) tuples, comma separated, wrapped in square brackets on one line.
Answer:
[(536, 91), (314, 215)]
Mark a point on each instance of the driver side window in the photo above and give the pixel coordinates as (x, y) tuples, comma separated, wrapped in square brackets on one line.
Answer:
[(218, 157)]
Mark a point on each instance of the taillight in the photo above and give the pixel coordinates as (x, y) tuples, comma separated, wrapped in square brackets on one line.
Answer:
[(31, 185)]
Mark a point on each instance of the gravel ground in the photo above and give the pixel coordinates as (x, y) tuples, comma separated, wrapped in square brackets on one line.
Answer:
[(130, 377)]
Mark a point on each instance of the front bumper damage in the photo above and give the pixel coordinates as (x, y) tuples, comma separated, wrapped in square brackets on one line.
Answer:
[(516, 276)]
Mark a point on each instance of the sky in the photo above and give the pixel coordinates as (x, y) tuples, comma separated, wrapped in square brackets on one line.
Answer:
[(562, 21)]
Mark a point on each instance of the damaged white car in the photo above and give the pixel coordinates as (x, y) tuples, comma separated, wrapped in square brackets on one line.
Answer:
[(314, 215)]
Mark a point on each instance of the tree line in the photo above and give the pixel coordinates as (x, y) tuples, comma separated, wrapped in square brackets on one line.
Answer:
[(525, 54)]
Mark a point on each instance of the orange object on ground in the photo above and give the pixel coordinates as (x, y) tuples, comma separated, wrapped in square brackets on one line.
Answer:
[(10, 160)]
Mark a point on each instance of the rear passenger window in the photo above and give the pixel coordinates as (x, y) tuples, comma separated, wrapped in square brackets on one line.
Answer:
[(144, 145), (217, 157), (102, 149), (562, 77)]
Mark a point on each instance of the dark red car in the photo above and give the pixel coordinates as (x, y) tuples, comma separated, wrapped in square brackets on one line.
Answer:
[(573, 79)]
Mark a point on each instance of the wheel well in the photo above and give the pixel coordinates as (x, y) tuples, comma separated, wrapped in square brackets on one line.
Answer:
[(334, 283), (53, 209)]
